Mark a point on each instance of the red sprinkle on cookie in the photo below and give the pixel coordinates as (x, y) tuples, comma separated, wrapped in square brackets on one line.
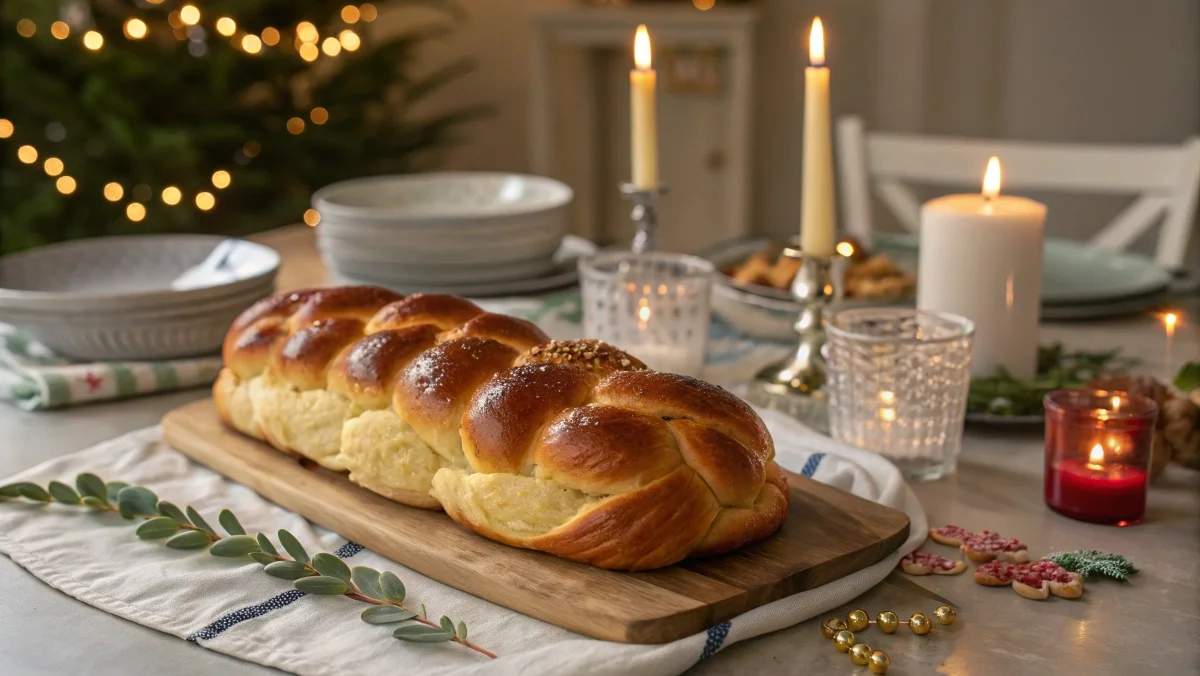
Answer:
[(925, 563), (950, 535), (995, 573), (985, 546), (1039, 579)]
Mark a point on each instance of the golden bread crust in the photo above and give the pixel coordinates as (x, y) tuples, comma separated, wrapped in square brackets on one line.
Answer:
[(567, 447)]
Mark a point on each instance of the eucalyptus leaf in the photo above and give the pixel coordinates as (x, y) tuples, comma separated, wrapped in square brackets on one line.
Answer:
[(25, 489), (158, 527), (112, 489), (419, 633), (331, 566), (230, 523), (293, 546), (392, 587), (288, 570), (267, 546), (386, 614), (367, 581), (94, 502), (90, 484), (63, 493), (198, 520), (234, 546), (189, 539), (169, 509), (34, 492), (322, 585), (447, 624), (135, 500), (260, 557), (462, 630)]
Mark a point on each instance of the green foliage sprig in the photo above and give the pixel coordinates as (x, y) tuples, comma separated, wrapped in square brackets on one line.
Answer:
[(1057, 368), (1188, 378), (1093, 562), (321, 574)]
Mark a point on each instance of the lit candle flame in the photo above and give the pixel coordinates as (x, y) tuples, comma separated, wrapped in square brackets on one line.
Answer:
[(1116, 402), (991, 179), (641, 48), (1169, 320), (644, 313), (846, 249), (1096, 457), (816, 43)]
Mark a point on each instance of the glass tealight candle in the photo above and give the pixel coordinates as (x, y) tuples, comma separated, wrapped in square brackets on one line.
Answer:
[(654, 306), (1098, 449)]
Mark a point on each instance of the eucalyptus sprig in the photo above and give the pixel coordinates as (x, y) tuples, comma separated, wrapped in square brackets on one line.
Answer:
[(321, 574), (1001, 394)]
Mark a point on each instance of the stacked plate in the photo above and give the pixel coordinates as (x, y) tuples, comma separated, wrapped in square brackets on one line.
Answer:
[(470, 233), (135, 298)]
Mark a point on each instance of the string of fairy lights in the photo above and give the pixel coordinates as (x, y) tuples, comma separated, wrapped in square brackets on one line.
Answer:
[(187, 24)]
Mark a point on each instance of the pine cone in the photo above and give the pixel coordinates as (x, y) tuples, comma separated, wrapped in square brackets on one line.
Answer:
[(1177, 430), (1180, 425)]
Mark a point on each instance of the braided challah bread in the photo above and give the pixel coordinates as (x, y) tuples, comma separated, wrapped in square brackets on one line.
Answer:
[(568, 447)]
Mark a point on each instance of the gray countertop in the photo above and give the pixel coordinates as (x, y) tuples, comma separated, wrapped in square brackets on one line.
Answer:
[(1150, 623)]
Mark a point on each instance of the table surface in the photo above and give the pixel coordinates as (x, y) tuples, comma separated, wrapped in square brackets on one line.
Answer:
[(1149, 623)]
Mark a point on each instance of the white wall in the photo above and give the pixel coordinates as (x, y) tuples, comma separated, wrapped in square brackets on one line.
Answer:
[(1064, 70)]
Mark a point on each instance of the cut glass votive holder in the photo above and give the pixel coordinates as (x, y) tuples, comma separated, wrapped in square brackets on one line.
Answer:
[(897, 382), (655, 306), (1099, 446)]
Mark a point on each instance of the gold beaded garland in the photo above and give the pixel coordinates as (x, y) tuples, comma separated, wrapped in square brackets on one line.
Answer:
[(858, 620), (879, 662), (920, 624), (860, 654), (944, 615), (887, 621)]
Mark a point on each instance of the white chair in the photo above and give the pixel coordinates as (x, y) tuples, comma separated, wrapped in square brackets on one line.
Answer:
[(1166, 179)]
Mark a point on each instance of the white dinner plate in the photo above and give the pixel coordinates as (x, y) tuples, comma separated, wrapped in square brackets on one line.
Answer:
[(107, 274), (564, 272)]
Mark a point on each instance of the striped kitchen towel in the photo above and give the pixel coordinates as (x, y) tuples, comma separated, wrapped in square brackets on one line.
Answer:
[(230, 606), (34, 378)]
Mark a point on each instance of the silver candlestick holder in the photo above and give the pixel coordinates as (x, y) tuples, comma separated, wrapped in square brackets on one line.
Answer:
[(796, 383), (644, 215)]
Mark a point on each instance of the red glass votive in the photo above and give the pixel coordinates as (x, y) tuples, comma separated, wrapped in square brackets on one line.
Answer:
[(1098, 447)]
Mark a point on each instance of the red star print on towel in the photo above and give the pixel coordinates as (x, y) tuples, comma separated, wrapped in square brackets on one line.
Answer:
[(92, 381)]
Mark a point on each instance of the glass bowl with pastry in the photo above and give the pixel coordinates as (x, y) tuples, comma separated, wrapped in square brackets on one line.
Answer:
[(753, 287)]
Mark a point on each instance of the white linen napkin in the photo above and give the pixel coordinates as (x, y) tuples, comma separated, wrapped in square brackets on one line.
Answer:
[(231, 606)]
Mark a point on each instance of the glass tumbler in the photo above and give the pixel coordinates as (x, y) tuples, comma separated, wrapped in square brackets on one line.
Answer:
[(897, 381), (655, 306)]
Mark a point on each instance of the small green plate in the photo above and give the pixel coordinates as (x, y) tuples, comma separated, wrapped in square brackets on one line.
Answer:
[(1072, 272)]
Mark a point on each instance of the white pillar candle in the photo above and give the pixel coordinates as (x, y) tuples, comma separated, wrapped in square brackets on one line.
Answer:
[(816, 212), (644, 138), (981, 257)]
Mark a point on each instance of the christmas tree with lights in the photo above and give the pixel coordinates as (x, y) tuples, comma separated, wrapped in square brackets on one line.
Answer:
[(139, 116)]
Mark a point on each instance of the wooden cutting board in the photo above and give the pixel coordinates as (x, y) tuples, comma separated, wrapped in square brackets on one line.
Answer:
[(828, 534)]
